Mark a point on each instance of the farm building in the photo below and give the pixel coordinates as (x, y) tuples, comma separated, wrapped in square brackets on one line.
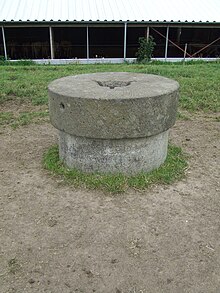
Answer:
[(109, 30)]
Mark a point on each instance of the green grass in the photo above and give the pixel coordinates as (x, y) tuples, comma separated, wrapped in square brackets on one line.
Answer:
[(172, 170), (6, 118), (23, 118), (199, 81)]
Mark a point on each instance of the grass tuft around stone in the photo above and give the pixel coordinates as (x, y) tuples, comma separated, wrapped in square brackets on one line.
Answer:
[(173, 169)]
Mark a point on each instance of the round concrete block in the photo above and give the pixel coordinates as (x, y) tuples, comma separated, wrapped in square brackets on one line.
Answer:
[(113, 105), (113, 122), (128, 156)]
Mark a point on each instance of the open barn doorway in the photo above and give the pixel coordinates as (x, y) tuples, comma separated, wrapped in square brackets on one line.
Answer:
[(69, 42), (27, 42), (190, 41), (106, 42), (201, 42), (133, 35)]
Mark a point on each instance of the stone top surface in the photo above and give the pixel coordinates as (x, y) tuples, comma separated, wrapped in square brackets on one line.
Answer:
[(113, 105), (113, 85)]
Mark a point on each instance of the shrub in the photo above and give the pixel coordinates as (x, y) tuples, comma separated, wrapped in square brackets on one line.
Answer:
[(145, 49)]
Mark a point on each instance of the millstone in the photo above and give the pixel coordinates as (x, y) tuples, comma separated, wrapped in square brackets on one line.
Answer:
[(113, 122)]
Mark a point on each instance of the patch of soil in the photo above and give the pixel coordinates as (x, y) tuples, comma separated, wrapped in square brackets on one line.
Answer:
[(55, 238), (17, 107)]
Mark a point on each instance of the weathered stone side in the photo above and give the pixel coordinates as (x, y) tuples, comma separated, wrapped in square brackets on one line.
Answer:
[(145, 107), (128, 156)]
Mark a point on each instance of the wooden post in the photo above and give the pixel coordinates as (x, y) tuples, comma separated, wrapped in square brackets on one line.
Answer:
[(167, 42), (179, 31), (51, 43), (125, 40), (184, 57), (87, 42), (4, 43), (148, 33)]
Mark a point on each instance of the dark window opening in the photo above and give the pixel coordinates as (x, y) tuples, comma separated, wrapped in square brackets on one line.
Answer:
[(107, 42), (27, 43), (69, 42)]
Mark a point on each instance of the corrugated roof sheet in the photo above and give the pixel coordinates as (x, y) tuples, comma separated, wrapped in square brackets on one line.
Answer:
[(110, 10)]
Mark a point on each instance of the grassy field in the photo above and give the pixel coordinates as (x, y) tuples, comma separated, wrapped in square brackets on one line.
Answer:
[(199, 81), (25, 87)]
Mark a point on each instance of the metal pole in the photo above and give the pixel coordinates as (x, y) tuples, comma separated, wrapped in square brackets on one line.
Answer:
[(87, 42), (4, 43), (166, 46), (125, 40), (51, 43), (148, 33)]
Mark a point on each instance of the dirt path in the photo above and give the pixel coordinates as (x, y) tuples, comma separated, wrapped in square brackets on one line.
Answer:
[(57, 239)]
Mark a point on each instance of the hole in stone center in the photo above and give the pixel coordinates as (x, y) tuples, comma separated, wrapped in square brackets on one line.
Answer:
[(113, 83)]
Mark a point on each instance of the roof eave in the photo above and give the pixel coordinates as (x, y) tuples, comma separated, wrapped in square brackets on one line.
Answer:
[(85, 22)]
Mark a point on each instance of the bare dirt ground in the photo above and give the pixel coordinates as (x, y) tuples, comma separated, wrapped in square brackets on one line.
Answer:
[(58, 239)]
